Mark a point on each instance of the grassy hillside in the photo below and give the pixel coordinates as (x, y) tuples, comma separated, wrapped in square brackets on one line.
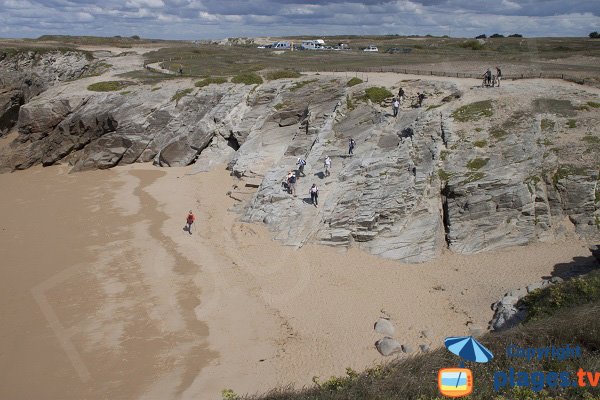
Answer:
[(567, 313)]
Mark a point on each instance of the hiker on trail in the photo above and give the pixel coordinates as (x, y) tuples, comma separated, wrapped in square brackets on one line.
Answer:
[(327, 165), (189, 221), (291, 180), (314, 195), (498, 75), (301, 163), (400, 95), (180, 70), (487, 77), (351, 145), (395, 106), (420, 98)]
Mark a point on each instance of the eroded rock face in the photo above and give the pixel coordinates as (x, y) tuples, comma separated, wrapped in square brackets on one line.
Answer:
[(11, 101), (416, 184)]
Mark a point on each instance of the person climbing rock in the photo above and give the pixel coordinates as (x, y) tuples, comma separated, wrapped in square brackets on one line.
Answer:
[(327, 165), (400, 95), (314, 195), (189, 221), (351, 145), (301, 163), (292, 183)]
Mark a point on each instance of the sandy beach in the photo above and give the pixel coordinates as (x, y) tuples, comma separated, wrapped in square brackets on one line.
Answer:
[(104, 295)]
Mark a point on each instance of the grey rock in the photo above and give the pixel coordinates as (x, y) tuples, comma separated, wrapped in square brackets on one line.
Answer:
[(177, 154), (387, 346), (506, 317), (425, 348), (476, 331), (535, 286), (384, 326), (518, 293), (406, 348), (11, 101)]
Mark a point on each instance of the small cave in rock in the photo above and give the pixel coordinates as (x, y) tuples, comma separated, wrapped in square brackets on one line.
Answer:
[(233, 143)]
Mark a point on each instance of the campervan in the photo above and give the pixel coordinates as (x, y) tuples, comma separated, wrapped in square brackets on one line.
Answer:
[(371, 48), (281, 46), (312, 44)]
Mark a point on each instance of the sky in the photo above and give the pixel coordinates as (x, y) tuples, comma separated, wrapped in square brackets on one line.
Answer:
[(215, 19)]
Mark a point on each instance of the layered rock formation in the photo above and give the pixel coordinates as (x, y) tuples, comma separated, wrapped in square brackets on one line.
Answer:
[(472, 170)]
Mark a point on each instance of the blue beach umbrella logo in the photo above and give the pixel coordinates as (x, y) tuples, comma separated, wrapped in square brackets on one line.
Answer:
[(468, 349)]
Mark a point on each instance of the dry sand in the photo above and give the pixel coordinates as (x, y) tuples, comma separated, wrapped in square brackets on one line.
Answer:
[(104, 295)]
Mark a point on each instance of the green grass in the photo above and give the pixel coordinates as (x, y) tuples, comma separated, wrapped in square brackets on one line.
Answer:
[(498, 133), (473, 176), (572, 124), (283, 74), (181, 94), (593, 104), (216, 80), (280, 106), (377, 94), (567, 170), (480, 143), (301, 84), (354, 81), (108, 86), (444, 176), (471, 44), (473, 111), (349, 103), (477, 163), (547, 124), (574, 292), (247, 79), (563, 108), (591, 140)]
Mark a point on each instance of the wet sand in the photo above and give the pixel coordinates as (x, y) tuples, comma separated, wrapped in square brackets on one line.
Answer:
[(104, 295)]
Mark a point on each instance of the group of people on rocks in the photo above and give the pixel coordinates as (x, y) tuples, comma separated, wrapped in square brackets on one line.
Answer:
[(490, 79), (397, 101)]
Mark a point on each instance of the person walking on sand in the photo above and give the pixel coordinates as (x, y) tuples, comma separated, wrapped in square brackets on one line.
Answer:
[(498, 75), (327, 165), (189, 221), (395, 106), (351, 145), (301, 163), (314, 195)]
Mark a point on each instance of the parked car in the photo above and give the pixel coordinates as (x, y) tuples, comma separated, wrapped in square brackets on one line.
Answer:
[(371, 48), (281, 45)]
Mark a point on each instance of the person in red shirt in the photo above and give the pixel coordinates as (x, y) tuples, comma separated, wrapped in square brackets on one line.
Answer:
[(190, 220)]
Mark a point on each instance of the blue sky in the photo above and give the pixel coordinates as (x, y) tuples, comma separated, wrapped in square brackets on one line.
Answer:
[(212, 19)]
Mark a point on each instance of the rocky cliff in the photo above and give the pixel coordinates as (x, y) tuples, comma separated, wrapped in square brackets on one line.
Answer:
[(25, 74), (474, 169)]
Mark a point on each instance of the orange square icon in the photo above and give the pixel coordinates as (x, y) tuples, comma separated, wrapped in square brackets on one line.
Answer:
[(455, 382)]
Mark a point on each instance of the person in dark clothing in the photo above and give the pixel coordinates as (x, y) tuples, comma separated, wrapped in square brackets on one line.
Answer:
[(314, 195), (351, 145)]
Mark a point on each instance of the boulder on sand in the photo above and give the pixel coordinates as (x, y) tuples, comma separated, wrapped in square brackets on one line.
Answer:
[(388, 346), (384, 326)]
